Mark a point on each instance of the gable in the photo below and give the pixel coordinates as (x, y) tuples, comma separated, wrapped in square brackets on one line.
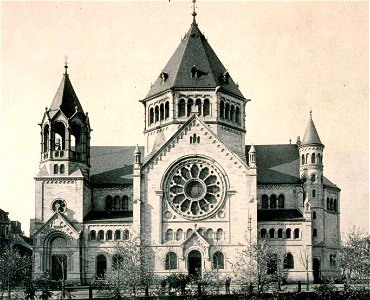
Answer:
[(58, 223)]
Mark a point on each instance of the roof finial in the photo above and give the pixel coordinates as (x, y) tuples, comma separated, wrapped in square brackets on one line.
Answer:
[(66, 64), (310, 113), (194, 12)]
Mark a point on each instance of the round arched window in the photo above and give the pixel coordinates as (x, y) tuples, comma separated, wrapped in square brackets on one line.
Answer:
[(195, 188)]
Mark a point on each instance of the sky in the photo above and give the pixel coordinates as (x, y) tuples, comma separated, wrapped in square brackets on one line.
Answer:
[(288, 58)]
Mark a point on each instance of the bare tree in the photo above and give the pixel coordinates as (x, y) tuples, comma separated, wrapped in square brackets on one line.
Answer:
[(304, 259), (15, 269)]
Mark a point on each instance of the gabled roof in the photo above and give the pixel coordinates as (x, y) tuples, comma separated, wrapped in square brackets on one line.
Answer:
[(194, 54), (65, 99), (311, 136)]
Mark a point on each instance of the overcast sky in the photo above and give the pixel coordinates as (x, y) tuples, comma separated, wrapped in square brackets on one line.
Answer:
[(288, 57)]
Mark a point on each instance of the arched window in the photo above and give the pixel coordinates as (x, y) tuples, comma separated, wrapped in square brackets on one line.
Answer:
[(232, 113), (109, 235), (313, 193), (92, 235), (319, 158), (314, 215), (313, 177), (313, 158), (237, 115), (303, 160), (117, 262), (331, 204), (198, 103), (227, 111), (56, 169), (219, 234), (218, 261), (117, 203), (189, 105), (222, 109), (210, 233), (126, 234), (179, 234), (151, 116), (281, 201), (125, 202), (108, 203), (296, 233), (307, 158), (117, 234), (61, 169), (206, 108), (169, 235), (189, 232), (46, 138), (288, 233), (167, 110), (101, 235), (265, 202), (273, 201), (335, 205), (200, 231), (60, 131), (280, 233), (156, 113), (101, 266), (272, 263), (161, 112), (181, 108), (314, 232), (272, 233), (263, 233), (288, 261), (327, 204), (171, 261)]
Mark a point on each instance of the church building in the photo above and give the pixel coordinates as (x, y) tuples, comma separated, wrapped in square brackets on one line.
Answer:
[(195, 193)]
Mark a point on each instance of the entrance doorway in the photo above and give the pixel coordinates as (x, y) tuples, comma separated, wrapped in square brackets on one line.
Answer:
[(59, 267), (316, 269), (195, 263), (101, 266)]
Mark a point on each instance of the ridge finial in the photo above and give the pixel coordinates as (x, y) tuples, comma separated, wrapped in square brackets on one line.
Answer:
[(194, 12), (66, 64)]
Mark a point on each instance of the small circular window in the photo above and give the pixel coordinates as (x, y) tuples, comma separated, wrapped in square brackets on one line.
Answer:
[(195, 188), (59, 205)]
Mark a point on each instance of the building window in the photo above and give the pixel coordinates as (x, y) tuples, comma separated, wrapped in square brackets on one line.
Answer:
[(331, 204), (263, 233), (117, 262), (314, 232), (303, 160), (125, 202), (161, 112), (209, 233), (265, 202), (206, 108), (56, 169), (189, 105), (272, 264), (288, 233), (126, 234), (101, 235), (218, 260), (273, 201), (232, 113), (101, 266), (335, 205), (169, 235), (108, 203), (313, 177), (296, 233), (332, 260), (109, 235), (237, 115), (198, 103), (272, 233), (92, 235), (227, 111), (117, 234), (171, 261), (167, 110), (117, 203), (314, 215), (179, 234), (61, 169), (288, 261), (307, 158), (313, 158), (327, 204), (281, 201), (151, 116), (219, 234), (313, 193), (222, 109), (181, 108), (188, 233), (280, 233)]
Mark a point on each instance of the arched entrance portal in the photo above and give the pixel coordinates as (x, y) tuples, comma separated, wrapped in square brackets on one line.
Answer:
[(316, 269), (195, 263)]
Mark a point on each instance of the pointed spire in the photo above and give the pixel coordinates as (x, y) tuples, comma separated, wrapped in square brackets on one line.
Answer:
[(194, 12), (65, 64), (252, 149), (311, 136)]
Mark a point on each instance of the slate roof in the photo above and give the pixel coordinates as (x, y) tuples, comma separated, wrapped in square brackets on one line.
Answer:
[(194, 51), (65, 99), (311, 136), (109, 216), (279, 215)]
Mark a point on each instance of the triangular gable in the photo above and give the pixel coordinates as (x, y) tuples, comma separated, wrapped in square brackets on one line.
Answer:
[(194, 120), (195, 240), (58, 223), (43, 172)]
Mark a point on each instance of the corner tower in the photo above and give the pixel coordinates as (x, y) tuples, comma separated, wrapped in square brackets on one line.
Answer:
[(194, 81)]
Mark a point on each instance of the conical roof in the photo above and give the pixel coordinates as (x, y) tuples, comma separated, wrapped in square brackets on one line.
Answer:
[(65, 99), (311, 136), (194, 65)]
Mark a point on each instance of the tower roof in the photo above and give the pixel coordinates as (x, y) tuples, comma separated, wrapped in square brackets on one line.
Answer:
[(311, 136), (194, 65), (65, 98)]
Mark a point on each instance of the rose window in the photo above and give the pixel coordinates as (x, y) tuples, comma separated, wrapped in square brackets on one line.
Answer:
[(195, 188), (59, 205)]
